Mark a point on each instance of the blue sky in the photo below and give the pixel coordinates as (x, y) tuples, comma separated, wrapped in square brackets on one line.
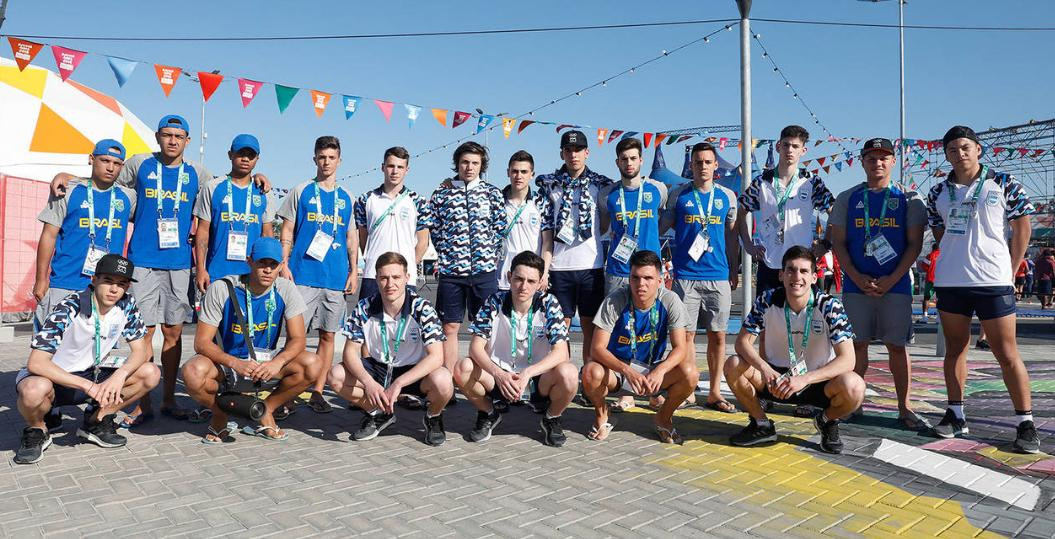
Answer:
[(847, 75)]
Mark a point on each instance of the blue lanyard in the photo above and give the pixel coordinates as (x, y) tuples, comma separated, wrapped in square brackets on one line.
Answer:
[(269, 306), (401, 333), (91, 216), (179, 191), (792, 356), (882, 214), (530, 334), (653, 321)]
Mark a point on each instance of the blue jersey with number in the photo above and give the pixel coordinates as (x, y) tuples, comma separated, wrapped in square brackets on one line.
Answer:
[(70, 215), (302, 207), (623, 221), (144, 249), (687, 216)]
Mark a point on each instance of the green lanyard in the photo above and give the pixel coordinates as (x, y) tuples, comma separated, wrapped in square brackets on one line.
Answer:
[(318, 207), (515, 220), (882, 214), (792, 356), (389, 210), (269, 306), (977, 189), (782, 200), (401, 332), (91, 216), (179, 191), (530, 334), (248, 203), (97, 347), (637, 217), (699, 204), (653, 321)]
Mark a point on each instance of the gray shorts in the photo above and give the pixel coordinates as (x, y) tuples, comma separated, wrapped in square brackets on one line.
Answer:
[(707, 303), (614, 282), (887, 318), (163, 296), (51, 298), (325, 308)]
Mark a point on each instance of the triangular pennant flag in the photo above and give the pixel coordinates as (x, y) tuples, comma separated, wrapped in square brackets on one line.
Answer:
[(24, 51), (1022, 151), (485, 120), (319, 100), (615, 133), (523, 124), (284, 95), (122, 68), (351, 104), (441, 116), (66, 60), (997, 150), (1037, 153), (925, 163), (846, 155), (209, 82), (818, 143), (839, 166), (722, 142), (602, 134), (563, 126), (412, 114), (850, 162), (386, 108), (629, 134), (660, 137), (648, 139), (827, 168), (167, 76), (820, 160), (459, 118), (672, 140), (507, 126), (806, 163), (248, 89)]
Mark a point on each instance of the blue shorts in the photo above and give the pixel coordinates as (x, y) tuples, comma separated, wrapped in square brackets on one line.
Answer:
[(988, 302), (456, 294), (368, 288), (581, 290)]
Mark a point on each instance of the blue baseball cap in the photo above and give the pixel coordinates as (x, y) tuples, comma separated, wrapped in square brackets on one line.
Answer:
[(111, 147), (265, 248), (244, 141), (174, 120)]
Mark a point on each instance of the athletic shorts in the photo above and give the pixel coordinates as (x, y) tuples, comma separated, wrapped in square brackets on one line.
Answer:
[(51, 298), (163, 295), (812, 394), (613, 283), (532, 390), (1020, 281), (766, 278), (578, 290), (928, 291), (379, 372), (707, 303), (988, 302), (68, 396), (456, 294), (324, 308), (887, 318), (623, 385), (368, 288)]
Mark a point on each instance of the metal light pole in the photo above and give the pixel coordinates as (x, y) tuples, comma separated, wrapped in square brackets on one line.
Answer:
[(201, 147), (901, 35), (744, 6)]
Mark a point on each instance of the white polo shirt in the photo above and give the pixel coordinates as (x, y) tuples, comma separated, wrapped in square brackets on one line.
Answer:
[(397, 232), (524, 235), (494, 324), (829, 326), (808, 194), (422, 329), (68, 332)]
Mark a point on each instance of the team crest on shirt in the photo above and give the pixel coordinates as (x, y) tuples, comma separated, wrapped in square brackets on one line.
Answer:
[(533, 221), (340, 203), (992, 199), (184, 178), (113, 331), (892, 204), (404, 213), (818, 327), (257, 200), (414, 335), (718, 204), (648, 197), (119, 205), (802, 195)]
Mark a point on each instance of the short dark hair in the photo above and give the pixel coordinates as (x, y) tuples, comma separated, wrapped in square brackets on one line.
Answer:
[(521, 156), (388, 259), (646, 258), (529, 259), (398, 152), (704, 147), (471, 147), (630, 143), (795, 131), (327, 142), (799, 252)]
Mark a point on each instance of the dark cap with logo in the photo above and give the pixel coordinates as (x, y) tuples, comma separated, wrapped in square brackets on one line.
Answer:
[(958, 131), (574, 138), (881, 144), (113, 264)]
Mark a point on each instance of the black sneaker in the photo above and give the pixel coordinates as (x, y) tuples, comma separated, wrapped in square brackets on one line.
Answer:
[(754, 433), (372, 425), (552, 433), (103, 433), (582, 400), (765, 404), (34, 442), (982, 344), (53, 420), (950, 427), (539, 405), (829, 431), (500, 406), (485, 423), (1026, 439), (452, 403), (434, 433)]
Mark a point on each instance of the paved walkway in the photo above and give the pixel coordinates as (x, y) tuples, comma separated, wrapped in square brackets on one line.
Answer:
[(888, 482)]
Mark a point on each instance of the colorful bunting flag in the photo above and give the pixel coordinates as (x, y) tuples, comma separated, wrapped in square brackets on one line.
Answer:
[(615, 133), (602, 134), (412, 114), (839, 166), (167, 76), (722, 142), (351, 104), (648, 139), (1037, 153), (209, 82), (997, 150), (459, 118), (660, 137), (66, 60), (122, 68), (441, 116), (483, 122), (24, 51), (1023, 152), (820, 160), (850, 162), (826, 168), (248, 89), (386, 108), (629, 134), (806, 163), (284, 95), (507, 126), (563, 126), (524, 124), (319, 100)]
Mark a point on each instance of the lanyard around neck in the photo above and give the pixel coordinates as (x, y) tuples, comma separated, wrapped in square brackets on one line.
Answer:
[(318, 207), (269, 306), (401, 332), (248, 203), (530, 334), (699, 205), (637, 212), (390, 208), (91, 215), (179, 190), (882, 213), (653, 321), (977, 190), (793, 357)]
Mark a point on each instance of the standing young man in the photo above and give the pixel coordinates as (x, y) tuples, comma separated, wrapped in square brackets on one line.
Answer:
[(321, 253), (468, 218), (577, 272), (392, 218), (808, 353), (970, 213), (401, 335), (634, 325), (243, 214), (705, 255), (526, 230), (877, 233), (519, 351), (783, 202)]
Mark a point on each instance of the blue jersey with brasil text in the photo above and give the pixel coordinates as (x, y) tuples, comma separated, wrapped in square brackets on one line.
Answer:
[(69, 214), (653, 195), (212, 207), (144, 250), (218, 312), (685, 212), (302, 207), (617, 313)]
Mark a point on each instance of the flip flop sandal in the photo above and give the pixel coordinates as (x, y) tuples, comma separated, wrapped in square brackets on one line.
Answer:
[(620, 406), (179, 414), (722, 406), (602, 434), (136, 420), (669, 436), (201, 415), (261, 431), (223, 435)]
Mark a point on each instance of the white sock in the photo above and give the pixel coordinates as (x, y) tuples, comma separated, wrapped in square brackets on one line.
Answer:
[(1021, 416), (957, 410), (430, 416), (558, 415)]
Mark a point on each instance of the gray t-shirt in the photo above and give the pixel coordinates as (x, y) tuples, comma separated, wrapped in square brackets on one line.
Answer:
[(203, 206), (217, 296), (917, 208), (602, 195), (130, 172), (58, 207), (291, 204), (615, 304)]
